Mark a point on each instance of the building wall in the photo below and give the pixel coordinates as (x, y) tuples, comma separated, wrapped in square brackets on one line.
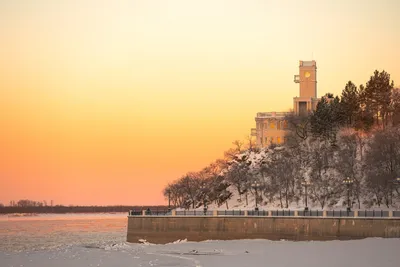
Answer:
[(270, 131), (161, 230)]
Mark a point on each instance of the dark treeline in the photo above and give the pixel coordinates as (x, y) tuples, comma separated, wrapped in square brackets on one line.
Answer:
[(75, 209)]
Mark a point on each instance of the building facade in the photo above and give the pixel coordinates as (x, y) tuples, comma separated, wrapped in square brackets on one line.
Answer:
[(271, 126)]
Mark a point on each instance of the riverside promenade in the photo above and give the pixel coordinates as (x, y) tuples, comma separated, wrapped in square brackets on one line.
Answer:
[(163, 227)]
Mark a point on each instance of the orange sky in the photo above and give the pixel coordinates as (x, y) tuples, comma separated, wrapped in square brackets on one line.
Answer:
[(105, 102)]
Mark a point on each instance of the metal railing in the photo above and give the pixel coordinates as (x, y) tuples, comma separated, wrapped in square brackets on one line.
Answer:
[(272, 213), (194, 213), (230, 213)]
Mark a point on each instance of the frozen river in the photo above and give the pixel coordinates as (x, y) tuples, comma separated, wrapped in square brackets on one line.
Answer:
[(99, 240)]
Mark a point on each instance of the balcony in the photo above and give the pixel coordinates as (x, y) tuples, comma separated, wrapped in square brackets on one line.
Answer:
[(262, 115), (296, 78)]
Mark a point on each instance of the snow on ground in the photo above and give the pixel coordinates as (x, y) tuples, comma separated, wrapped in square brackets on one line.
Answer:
[(363, 253)]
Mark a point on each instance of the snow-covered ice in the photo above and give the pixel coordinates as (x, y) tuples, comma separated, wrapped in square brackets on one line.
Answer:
[(97, 240), (362, 253)]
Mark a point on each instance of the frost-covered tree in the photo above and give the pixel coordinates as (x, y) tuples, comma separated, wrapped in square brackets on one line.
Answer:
[(281, 169), (325, 184), (383, 165), (349, 162), (238, 174)]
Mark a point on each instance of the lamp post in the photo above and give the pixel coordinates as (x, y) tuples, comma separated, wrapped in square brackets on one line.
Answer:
[(169, 201), (255, 185), (348, 182), (204, 199), (396, 181), (305, 184)]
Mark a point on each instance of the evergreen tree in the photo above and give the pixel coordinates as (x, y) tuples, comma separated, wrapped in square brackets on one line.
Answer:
[(321, 120), (378, 93), (395, 107), (327, 119), (350, 103), (338, 115), (364, 117)]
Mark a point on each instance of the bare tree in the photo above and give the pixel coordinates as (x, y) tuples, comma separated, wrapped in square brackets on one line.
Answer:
[(325, 185), (238, 145), (281, 168), (383, 165), (349, 163)]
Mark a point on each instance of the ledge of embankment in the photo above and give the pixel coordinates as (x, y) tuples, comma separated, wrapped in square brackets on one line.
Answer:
[(165, 229)]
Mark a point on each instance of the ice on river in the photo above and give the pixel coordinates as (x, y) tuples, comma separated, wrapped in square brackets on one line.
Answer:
[(368, 252), (99, 240)]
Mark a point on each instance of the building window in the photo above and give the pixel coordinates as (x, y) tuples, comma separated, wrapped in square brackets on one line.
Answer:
[(272, 140), (278, 124), (278, 140), (265, 125), (266, 139), (261, 140), (284, 124), (272, 125)]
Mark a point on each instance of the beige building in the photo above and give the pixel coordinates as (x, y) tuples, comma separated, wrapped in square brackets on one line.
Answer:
[(271, 126)]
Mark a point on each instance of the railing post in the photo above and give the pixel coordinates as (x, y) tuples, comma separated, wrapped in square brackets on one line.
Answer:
[(215, 213), (296, 213), (390, 213), (173, 213), (269, 213), (355, 213), (143, 212), (246, 213), (324, 213)]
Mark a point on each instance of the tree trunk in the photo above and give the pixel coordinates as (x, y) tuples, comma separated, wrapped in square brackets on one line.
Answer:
[(287, 198), (322, 204)]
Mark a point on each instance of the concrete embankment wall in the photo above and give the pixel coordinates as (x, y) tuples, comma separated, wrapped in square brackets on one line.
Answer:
[(160, 230)]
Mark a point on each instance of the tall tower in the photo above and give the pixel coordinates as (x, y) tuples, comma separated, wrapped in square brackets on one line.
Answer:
[(307, 78)]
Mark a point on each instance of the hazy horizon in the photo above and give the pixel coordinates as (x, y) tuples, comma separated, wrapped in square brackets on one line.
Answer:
[(105, 102)]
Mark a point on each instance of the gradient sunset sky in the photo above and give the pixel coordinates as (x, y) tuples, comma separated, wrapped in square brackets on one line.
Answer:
[(105, 102)]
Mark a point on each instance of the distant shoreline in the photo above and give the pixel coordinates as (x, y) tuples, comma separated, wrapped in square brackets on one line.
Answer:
[(75, 209)]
